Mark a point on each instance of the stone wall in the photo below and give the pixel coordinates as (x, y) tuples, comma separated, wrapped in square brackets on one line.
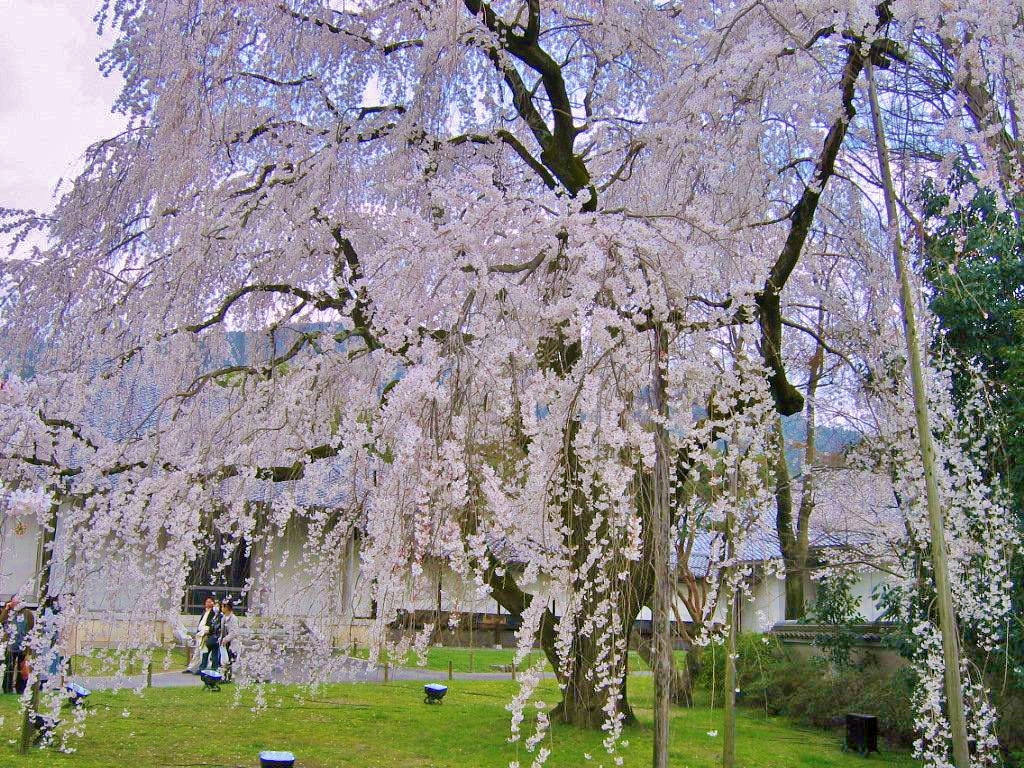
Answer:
[(870, 646)]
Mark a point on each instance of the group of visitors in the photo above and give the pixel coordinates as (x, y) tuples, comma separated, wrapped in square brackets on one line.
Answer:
[(216, 636), (216, 640), (17, 620)]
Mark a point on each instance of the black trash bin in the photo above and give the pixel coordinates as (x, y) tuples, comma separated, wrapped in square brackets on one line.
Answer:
[(862, 733)]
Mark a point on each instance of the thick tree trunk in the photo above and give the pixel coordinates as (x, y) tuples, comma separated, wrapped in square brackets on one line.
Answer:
[(49, 533), (795, 599), (793, 555), (660, 530), (794, 544), (583, 705), (583, 701), (729, 701), (683, 677)]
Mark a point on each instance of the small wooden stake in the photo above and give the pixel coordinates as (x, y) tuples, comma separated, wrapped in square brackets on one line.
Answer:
[(513, 669), (450, 670), (27, 726), (149, 675)]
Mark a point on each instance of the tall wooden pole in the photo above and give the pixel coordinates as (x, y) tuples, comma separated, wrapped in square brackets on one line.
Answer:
[(729, 701), (661, 530), (943, 594)]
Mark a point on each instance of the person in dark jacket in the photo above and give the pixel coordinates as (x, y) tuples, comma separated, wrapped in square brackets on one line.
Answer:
[(5, 640), (214, 620), (202, 630), (19, 621)]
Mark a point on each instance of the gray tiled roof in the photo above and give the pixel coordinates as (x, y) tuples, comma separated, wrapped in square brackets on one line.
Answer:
[(762, 544)]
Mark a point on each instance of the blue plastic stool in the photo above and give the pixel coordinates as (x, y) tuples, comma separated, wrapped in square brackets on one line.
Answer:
[(77, 694), (211, 679), (276, 759), (434, 693)]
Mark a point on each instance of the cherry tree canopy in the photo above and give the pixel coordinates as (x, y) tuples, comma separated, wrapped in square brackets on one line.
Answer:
[(458, 229)]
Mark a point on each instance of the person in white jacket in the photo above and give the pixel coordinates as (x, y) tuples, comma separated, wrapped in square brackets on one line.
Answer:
[(202, 630), (229, 632)]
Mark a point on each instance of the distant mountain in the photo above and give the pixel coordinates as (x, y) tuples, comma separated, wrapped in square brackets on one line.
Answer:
[(828, 439)]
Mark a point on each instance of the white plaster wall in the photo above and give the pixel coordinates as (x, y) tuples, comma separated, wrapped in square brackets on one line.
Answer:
[(117, 581), (765, 606), (19, 556), (459, 594), (124, 592), (768, 603), (456, 593), (646, 615), (289, 582), (863, 590)]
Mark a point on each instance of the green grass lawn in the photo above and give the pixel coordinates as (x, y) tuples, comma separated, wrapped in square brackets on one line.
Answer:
[(373, 725), (482, 659), (101, 661), (474, 659), (462, 659)]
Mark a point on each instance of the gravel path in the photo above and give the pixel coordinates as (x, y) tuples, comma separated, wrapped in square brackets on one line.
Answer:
[(344, 670)]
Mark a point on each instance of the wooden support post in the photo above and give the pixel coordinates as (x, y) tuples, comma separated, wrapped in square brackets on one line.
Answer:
[(660, 533), (732, 607), (149, 675), (387, 669), (729, 702), (513, 669), (940, 567), (450, 670)]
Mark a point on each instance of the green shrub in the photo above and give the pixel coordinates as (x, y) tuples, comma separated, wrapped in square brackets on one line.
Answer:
[(811, 691), (1009, 702), (756, 653), (836, 609)]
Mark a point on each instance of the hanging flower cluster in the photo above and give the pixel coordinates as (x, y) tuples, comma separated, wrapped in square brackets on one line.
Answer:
[(371, 296)]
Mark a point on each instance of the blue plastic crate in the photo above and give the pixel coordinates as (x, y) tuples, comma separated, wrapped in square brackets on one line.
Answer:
[(211, 679), (77, 694), (275, 759), (434, 693)]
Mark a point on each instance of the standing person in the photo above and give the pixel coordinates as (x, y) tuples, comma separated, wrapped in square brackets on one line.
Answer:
[(212, 643), (228, 631), (202, 630), (5, 636), (20, 623)]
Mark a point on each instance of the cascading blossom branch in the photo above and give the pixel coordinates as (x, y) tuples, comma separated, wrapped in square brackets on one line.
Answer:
[(981, 538), (389, 286)]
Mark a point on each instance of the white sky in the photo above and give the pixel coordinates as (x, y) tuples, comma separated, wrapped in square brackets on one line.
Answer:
[(53, 100)]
